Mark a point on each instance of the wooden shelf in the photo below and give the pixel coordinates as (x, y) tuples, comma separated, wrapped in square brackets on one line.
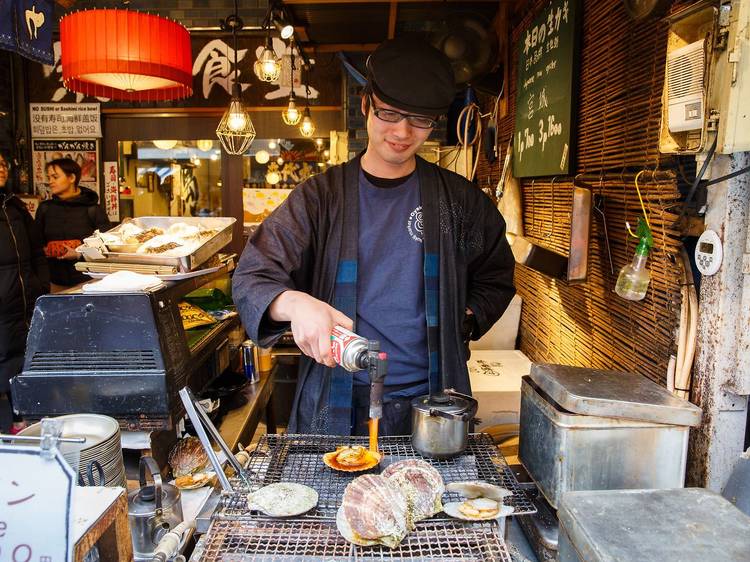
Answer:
[(239, 425)]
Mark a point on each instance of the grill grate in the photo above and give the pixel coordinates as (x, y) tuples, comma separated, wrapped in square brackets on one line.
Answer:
[(306, 541), (116, 360), (298, 458)]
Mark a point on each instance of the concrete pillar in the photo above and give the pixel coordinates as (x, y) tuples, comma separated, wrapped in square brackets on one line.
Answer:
[(715, 446)]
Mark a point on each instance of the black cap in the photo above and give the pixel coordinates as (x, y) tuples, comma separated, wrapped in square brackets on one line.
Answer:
[(411, 75)]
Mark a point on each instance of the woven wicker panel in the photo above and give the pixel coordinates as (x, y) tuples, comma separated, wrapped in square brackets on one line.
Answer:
[(618, 111)]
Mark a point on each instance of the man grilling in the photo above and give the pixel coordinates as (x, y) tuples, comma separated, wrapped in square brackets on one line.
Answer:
[(397, 249)]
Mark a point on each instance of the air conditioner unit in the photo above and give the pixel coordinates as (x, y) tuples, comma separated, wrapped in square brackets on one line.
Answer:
[(686, 93)]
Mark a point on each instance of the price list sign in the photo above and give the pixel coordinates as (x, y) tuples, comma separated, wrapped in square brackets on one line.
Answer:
[(35, 496), (547, 56)]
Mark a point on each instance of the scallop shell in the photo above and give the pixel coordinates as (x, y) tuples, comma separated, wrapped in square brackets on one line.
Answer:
[(376, 510), (346, 530), (187, 457), (422, 485), (283, 499), (451, 509), (478, 489), (370, 460)]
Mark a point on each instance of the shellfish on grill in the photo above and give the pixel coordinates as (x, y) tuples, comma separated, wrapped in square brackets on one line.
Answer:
[(373, 511), (422, 485), (484, 501), (283, 499), (478, 489), (352, 458), (477, 509)]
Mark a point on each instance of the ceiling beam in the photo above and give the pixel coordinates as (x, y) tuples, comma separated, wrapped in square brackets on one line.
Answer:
[(392, 15)]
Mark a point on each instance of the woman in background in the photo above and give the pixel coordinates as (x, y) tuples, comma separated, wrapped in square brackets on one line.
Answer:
[(23, 277), (71, 215)]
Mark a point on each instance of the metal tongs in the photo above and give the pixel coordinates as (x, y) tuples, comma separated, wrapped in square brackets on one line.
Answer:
[(202, 423)]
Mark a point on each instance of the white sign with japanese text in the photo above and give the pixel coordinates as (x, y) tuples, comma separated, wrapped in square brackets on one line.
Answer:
[(65, 120), (111, 191), (35, 499)]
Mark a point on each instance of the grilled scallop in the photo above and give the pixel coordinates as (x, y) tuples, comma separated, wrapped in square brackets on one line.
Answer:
[(373, 509), (283, 499), (352, 459), (422, 485)]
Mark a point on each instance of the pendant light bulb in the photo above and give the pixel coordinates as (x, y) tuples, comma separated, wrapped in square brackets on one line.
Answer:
[(268, 67), (291, 115), (307, 127), (236, 120)]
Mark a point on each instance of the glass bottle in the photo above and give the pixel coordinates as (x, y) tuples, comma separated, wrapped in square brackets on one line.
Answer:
[(632, 283)]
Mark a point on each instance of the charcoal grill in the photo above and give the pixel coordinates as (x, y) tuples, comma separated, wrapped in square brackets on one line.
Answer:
[(239, 535), (124, 355)]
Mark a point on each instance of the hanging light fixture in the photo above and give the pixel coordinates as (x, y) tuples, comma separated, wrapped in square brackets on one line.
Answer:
[(268, 67), (205, 144), (125, 55), (235, 131), (165, 144), (291, 115), (307, 127), (280, 20)]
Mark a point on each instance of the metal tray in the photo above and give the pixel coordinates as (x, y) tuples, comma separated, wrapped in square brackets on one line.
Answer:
[(184, 263)]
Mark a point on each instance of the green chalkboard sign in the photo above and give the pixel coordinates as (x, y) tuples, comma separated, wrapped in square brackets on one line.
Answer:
[(547, 53)]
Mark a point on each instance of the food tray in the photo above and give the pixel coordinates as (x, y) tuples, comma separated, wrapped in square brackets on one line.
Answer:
[(298, 458), (185, 263)]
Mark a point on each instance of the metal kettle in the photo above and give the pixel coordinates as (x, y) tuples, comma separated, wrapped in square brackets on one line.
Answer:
[(440, 423), (153, 510)]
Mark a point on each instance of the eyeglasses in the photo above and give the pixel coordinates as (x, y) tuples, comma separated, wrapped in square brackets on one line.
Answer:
[(4, 165), (393, 116)]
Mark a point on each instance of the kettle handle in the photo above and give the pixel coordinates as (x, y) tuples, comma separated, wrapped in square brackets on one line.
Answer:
[(153, 468), (473, 404)]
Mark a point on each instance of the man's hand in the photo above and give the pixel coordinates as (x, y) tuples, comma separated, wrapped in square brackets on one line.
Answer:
[(312, 322)]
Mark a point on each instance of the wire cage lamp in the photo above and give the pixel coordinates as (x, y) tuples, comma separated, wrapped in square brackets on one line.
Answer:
[(307, 126), (268, 66), (291, 114), (235, 131)]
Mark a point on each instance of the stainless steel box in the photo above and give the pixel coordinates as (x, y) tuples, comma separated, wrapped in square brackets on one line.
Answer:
[(687, 525), (583, 429)]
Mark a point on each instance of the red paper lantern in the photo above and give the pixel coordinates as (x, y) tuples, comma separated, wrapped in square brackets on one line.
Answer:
[(126, 55)]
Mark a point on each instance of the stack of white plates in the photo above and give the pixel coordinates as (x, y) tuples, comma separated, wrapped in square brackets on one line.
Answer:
[(102, 444)]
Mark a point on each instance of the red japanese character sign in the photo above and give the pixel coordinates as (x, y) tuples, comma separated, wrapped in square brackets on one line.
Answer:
[(35, 500)]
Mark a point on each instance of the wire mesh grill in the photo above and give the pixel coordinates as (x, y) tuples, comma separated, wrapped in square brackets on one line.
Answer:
[(231, 540), (298, 458)]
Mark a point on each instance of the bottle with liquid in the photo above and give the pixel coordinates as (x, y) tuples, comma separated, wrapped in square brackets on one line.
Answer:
[(632, 283)]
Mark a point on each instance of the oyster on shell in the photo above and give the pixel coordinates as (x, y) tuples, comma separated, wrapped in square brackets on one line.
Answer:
[(187, 457), (283, 499), (478, 489), (422, 485), (373, 510), (352, 459)]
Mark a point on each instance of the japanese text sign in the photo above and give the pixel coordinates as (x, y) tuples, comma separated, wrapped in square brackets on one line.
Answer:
[(65, 120), (35, 499), (111, 191), (546, 70)]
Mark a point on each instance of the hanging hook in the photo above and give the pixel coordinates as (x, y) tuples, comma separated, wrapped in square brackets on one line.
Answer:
[(640, 198)]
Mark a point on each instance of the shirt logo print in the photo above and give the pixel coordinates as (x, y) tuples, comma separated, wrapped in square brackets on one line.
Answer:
[(415, 226)]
